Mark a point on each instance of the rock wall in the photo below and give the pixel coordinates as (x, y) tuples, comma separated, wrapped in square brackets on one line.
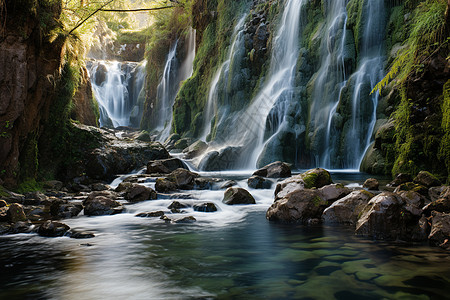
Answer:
[(29, 67)]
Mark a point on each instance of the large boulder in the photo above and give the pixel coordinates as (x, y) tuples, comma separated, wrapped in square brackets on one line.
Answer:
[(205, 207), (347, 209), (183, 179), (234, 196), (386, 217), (426, 179), (258, 182), (102, 203), (138, 193), (371, 184), (224, 159), (410, 186), (16, 213), (164, 185), (400, 179), (53, 229), (441, 205), (164, 166), (62, 209), (314, 178), (276, 169), (332, 192), (303, 205), (195, 149), (440, 229)]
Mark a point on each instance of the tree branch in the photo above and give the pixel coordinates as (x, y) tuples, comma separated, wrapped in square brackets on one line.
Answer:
[(82, 22), (137, 9)]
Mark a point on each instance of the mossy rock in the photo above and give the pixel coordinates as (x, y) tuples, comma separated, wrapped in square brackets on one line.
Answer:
[(316, 178)]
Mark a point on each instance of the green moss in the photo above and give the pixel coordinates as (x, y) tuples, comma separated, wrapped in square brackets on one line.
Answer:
[(367, 193), (444, 151), (30, 185), (3, 192), (317, 201), (310, 180)]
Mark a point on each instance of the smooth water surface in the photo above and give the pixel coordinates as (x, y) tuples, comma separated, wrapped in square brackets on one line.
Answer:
[(234, 253)]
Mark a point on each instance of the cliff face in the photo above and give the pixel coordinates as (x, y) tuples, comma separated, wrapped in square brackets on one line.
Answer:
[(29, 67)]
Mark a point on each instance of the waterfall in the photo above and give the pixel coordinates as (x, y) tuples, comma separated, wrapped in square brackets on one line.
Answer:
[(173, 75), (221, 77), (117, 87)]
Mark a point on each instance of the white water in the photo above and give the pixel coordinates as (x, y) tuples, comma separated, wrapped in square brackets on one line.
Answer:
[(222, 76), (170, 83), (117, 86)]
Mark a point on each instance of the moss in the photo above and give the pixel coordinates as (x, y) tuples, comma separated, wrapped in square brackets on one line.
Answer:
[(317, 201), (367, 193), (310, 180), (30, 185), (444, 151), (3, 192)]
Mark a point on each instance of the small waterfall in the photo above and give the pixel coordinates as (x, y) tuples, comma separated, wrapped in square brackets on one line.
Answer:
[(173, 75), (117, 87), (221, 78)]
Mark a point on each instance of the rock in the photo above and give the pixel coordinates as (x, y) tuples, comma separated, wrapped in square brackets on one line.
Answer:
[(258, 182), (314, 178), (414, 202), (400, 179), (195, 149), (434, 193), (426, 179), (371, 184), (34, 198), (440, 230), (163, 185), (409, 186), (187, 220), (202, 183), (228, 184), (166, 219), (332, 192), (102, 203), (151, 214), (81, 235), (164, 166), (2, 203), (177, 205), (123, 186), (53, 229), (234, 196), (14, 198), (385, 217), (5, 228), (21, 227), (144, 137), (441, 205), (138, 193), (62, 209), (99, 187), (53, 185), (224, 159), (183, 179), (16, 213), (276, 169), (298, 206), (347, 209), (205, 207), (4, 214), (181, 144)]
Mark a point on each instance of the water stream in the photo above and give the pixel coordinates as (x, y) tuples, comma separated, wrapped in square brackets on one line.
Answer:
[(234, 253), (118, 88)]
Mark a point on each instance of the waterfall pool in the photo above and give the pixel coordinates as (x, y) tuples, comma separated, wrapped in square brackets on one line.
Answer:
[(234, 253)]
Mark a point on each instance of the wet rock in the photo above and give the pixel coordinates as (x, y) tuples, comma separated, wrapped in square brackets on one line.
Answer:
[(347, 209), (164, 185), (205, 207), (181, 144), (434, 193), (144, 137), (385, 217), (4, 214), (228, 184), (123, 186), (37, 213), (258, 182), (164, 166), (371, 184), (183, 179), (81, 234), (400, 179), (276, 169), (62, 209), (99, 187), (202, 183), (4, 228), (440, 230), (21, 227), (332, 192), (426, 179), (186, 220), (16, 213), (409, 186), (2, 203), (53, 185), (224, 159), (297, 206), (14, 198), (414, 202), (52, 229), (102, 203), (234, 196), (195, 149), (34, 198), (177, 205), (441, 205), (314, 178), (152, 214), (138, 193)]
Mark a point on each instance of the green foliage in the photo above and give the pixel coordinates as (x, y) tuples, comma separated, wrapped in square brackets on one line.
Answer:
[(444, 152), (30, 185)]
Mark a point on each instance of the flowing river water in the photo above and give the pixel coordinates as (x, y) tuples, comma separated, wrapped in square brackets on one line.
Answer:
[(234, 253)]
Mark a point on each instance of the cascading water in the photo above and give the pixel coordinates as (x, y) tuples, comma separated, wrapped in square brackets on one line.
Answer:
[(221, 77), (170, 82), (117, 87)]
